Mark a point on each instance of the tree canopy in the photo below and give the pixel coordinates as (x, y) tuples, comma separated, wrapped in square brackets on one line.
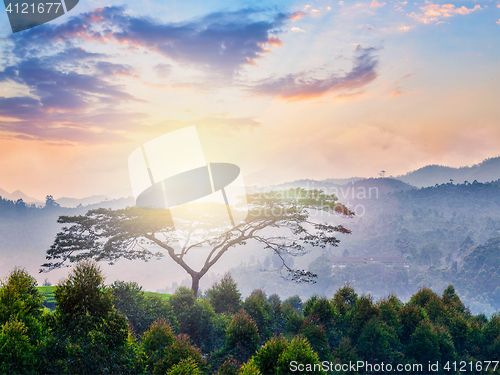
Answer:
[(108, 235)]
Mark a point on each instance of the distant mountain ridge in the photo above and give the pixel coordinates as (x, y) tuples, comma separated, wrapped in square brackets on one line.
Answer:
[(430, 175), (75, 202), (18, 194), (352, 189)]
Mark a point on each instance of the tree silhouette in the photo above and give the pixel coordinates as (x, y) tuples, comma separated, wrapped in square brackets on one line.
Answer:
[(50, 202), (108, 235)]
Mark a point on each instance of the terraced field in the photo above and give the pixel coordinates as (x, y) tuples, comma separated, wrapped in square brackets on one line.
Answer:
[(48, 296)]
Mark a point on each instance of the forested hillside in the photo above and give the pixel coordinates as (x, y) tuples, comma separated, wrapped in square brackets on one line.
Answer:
[(98, 329), (487, 170), (440, 230)]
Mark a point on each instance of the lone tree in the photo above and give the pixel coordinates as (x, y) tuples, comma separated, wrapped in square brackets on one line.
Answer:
[(108, 235)]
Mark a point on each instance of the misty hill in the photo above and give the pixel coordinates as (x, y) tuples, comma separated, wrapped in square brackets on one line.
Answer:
[(343, 181), (488, 170), (430, 175), (18, 195), (75, 202), (353, 189)]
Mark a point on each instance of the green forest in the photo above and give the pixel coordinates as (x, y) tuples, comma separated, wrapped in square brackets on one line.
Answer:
[(96, 328)]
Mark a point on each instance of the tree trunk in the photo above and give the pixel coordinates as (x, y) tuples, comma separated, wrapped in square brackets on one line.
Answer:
[(195, 285)]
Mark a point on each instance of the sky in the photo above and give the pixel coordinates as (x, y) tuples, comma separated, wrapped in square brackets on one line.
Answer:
[(286, 90)]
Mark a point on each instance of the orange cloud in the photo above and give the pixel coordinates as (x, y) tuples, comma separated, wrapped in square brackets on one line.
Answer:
[(376, 4), (274, 41), (297, 16), (396, 93), (399, 5), (436, 12), (354, 95)]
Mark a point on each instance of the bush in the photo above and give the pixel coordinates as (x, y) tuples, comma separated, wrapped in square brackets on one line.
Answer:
[(293, 322), (300, 351), (410, 316), (250, 368), (424, 343), (89, 335), (173, 355), (157, 338), (267, 357), (182, 300), (196, 318), (378, 342), (242, 336), (259, 309), (315, 334), (185, 367), (21, 301), (294, 302), (83, 293), (224, 296), (140, 309), (230, 367), (16, 353)]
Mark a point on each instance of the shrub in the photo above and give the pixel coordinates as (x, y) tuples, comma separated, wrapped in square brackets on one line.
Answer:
[(140, 309), (83, 293), (196, 318), (298, 350), (267, 357), (250, 368), (424, 343), (185, 367), (294, 302), (259, 309), (180, 350), (183, 299), (224, 296), (316, 336), (157, 337), (293, 322), (230, 367), (20, 300), (242, 336), (16, 353), (377, 342), (88, 334)]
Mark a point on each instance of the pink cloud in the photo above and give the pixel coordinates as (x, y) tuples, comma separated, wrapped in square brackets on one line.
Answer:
[(399, 5), (437, 12), (297, 16), (375, 4)]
